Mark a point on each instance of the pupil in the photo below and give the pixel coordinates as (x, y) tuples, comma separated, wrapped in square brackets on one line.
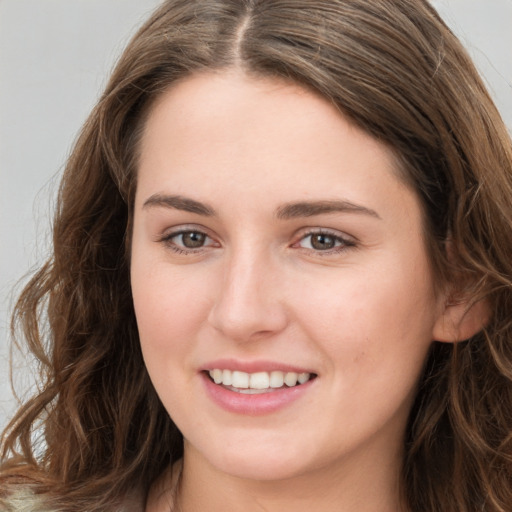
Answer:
[(193, 240), (322, 242)]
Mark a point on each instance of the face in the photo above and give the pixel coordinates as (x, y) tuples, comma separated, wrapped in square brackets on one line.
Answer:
[(283, 295)]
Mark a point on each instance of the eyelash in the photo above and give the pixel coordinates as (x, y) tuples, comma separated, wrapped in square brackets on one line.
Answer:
[(344, 243)]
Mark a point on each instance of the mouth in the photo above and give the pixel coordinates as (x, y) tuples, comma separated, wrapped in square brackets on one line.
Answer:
[(258, 382)]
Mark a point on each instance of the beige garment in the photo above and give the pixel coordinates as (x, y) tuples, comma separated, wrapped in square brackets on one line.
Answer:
[(24, 500), (163, 495)]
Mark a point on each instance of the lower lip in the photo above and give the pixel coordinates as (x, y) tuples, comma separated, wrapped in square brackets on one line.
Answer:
[(254, 405)]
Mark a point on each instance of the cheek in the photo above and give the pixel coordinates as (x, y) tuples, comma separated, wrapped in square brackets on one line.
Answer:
[(168, 314), (374, 322), (169, 306)]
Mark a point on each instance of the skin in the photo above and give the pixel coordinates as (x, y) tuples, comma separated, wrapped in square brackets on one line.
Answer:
[(361, 315)]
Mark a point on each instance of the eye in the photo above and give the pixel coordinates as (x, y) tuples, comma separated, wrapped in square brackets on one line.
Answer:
[(320, 242), (190, 239), (327, 242), (187, 241)]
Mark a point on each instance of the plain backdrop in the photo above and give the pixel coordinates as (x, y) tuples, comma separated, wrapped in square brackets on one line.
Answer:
[(55, 56)]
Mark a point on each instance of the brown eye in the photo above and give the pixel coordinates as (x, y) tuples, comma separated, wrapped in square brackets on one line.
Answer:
[(191, 239), (188, 241), (325, 242), (322, 242)]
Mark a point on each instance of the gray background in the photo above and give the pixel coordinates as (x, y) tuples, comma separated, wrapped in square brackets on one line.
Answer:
[(54, 59)]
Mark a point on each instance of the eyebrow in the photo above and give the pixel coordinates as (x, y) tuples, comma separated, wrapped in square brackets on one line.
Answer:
[(312, 208), (179, 203), (285, 212)]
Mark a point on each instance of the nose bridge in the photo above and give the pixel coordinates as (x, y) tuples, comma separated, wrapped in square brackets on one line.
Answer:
[(248, 303)]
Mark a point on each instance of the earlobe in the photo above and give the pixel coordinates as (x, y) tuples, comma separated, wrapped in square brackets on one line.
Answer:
[(461, 320)]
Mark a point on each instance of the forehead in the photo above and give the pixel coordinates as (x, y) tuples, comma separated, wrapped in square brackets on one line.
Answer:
[(217, 125)]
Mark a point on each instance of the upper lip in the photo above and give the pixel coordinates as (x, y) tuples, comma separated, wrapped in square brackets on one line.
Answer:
[(253, 366)]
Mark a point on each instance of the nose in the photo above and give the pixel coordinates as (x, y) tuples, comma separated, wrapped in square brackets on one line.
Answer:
[(249, 304)]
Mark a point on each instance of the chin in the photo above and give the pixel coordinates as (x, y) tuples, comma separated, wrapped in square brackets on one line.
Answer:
[(260, 470), (260, 461)]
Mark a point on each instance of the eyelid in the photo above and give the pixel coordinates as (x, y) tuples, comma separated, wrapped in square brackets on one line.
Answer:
[(312, 230)]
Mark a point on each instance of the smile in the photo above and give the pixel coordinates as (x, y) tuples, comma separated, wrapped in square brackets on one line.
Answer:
[(259, 382), (256, 388)]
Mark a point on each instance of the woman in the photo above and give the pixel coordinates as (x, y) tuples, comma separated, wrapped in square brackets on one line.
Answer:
[(281, 274)]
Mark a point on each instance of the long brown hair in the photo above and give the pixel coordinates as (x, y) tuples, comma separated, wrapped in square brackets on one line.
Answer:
[(397, 71)]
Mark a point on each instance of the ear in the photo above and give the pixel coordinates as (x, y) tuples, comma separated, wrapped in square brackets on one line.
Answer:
[(459, 320)]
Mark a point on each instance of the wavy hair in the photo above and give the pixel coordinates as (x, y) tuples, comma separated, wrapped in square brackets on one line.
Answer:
[(396, 70)]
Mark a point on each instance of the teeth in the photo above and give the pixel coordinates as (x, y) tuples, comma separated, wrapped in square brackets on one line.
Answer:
[(239, 379), (303, 377), (276, 379), (216, 375), (290, 379), (259, 380), (227, 379)]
